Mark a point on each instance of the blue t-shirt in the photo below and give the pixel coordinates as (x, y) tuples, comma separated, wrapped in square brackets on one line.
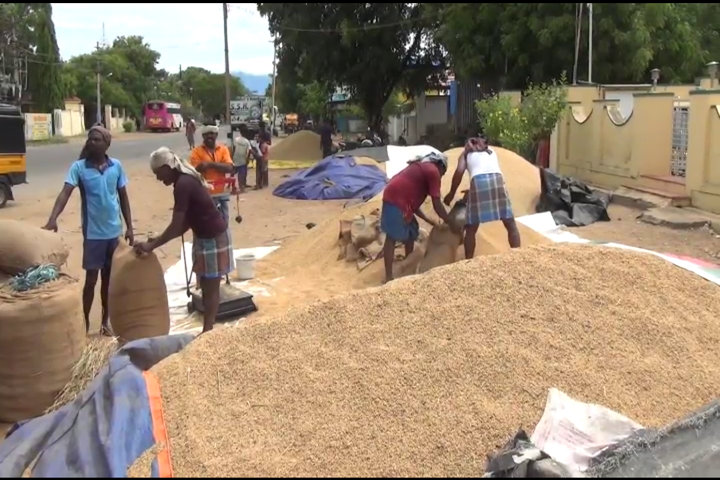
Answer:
[(99, 197)]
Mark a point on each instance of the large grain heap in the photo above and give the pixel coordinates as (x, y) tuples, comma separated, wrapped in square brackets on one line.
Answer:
[(424, 376), (313, 256), (300, 146)]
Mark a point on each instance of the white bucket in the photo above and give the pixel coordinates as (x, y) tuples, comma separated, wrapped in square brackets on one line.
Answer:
[(245, 266)]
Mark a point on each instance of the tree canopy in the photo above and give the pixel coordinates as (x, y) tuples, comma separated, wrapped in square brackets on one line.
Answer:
[(369, 48), (377, 50), (128, 68), (512, 43), (130, 78)]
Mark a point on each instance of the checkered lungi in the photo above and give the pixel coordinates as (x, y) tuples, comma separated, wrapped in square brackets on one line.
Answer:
[(488, 199), (213, 257)]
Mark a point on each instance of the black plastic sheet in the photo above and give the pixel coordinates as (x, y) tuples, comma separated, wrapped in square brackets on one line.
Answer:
[(685, 449), (571, 202), (519, 458)]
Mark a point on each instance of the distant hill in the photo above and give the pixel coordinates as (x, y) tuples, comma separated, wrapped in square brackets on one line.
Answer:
[(254, 83)]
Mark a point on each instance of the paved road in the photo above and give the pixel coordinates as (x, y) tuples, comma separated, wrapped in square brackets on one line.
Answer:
[(48, 164)]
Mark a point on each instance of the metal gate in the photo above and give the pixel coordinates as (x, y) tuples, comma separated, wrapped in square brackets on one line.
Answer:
[(678, 161)]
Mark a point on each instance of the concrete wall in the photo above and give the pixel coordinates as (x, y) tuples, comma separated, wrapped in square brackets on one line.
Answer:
[(666, 140), (71, 121), (430, 110)]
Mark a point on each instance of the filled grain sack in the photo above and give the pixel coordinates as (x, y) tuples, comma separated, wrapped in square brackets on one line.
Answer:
[(365, 229), (441, 249), (137, 301), (23, 245), (42, 335)]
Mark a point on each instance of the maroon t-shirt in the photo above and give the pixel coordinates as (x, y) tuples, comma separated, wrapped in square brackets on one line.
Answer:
[(411, 186), (201, 214)]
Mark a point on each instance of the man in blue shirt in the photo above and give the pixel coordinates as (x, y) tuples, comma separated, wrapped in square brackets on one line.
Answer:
[(103, 194)]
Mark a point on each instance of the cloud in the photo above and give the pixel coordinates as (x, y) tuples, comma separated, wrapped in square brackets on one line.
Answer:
[(187, 34)]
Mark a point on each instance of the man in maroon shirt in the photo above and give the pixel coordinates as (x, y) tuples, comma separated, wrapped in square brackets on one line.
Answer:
[(402, 199), (194, 210)]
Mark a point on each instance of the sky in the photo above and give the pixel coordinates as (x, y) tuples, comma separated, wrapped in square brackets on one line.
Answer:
[(187, 34)]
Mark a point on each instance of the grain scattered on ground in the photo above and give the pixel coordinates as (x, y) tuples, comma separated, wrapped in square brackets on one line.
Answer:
[(428, 374)]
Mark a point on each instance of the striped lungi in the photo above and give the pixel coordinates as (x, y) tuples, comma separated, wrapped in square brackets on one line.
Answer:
[(213, 257), (488, 199)]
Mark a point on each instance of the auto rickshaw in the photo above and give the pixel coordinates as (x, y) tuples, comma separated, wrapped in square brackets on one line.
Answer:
[(13, 166)]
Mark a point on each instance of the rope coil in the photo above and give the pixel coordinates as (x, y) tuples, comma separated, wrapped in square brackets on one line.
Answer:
[(33, 277)]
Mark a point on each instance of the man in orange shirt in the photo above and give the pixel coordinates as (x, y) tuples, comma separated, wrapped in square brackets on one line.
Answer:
[(214, 162)]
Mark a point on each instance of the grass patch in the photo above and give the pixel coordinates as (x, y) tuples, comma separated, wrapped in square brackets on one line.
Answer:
[(56, 140)]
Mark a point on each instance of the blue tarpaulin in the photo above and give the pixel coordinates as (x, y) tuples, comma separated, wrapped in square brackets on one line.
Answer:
[(102, 432), (334, 178)]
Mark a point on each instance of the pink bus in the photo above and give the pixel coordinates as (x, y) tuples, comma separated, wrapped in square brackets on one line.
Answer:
[(163, 116)]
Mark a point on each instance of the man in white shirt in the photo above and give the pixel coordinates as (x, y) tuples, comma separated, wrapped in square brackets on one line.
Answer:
[(240, 149), (488, 199)]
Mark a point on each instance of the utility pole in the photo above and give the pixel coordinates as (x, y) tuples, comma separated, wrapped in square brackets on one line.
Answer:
[(227, 64), (274, 77), (98, 112), (590, 41)]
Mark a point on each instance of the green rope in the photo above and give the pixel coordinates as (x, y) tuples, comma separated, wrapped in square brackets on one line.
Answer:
[(34, 277)]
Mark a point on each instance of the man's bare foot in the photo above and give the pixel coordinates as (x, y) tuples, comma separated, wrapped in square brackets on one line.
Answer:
[(106, 331), (388, 280)]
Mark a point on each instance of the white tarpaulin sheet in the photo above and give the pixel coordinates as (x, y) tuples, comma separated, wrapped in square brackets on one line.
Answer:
[(543, 223), (398, 157), (176, 282)]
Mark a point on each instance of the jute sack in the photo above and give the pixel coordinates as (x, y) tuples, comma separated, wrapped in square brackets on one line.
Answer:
[(23, 245), (137, 302), (42, 335), (441, 248), (365, 229)]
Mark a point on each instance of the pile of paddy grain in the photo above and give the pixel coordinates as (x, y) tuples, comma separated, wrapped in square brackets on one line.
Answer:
[(313, 256), (300, 146), (426, 375)]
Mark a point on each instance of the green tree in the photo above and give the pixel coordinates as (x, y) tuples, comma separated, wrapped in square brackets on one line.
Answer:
[(287, 94), (47, 87), (369, 48), (314, 100), (128, 74), (22, 27), (209, 93), (507, 44)]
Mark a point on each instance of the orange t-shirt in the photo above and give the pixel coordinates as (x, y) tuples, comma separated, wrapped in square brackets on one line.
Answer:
[(221, 154)]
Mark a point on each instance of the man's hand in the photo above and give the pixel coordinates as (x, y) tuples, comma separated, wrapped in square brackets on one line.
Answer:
[(130, 236), (51, 225), (202, 167), (448, 199), (143, 248)]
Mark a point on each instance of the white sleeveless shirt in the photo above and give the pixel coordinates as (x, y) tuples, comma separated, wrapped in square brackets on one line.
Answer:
[(482, 163)]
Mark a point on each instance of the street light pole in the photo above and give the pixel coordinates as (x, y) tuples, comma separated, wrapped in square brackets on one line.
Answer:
[(227, 64), (98, 111), (590, 41), (274, 77)]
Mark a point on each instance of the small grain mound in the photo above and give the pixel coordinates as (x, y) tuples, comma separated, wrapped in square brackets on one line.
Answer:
[(426, 375), (300, 146), (95, 357)]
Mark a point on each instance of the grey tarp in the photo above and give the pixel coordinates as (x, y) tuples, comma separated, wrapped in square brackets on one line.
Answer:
[(688, 448)]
